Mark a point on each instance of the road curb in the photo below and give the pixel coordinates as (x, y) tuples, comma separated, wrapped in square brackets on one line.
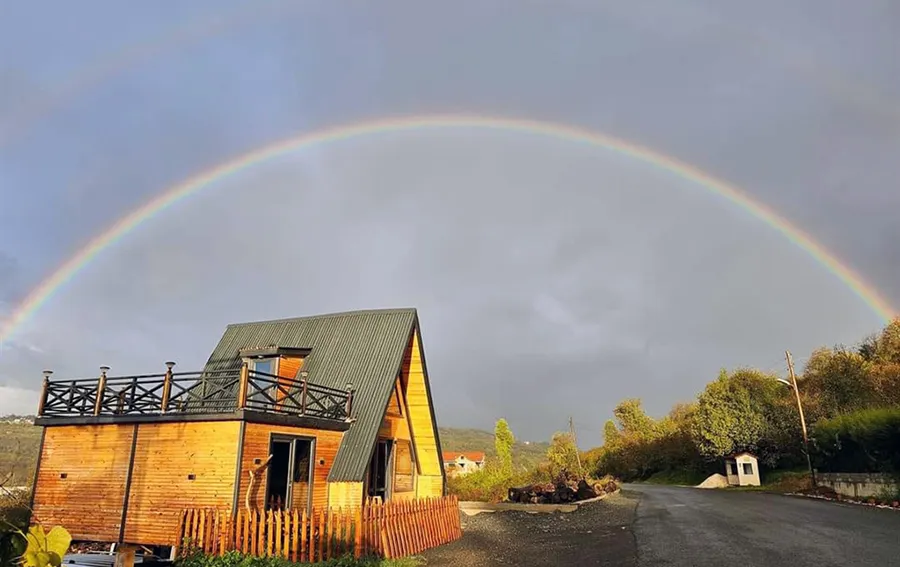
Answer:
[(840, 501)]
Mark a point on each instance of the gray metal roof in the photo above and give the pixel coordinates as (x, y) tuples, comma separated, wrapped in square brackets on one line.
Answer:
[(364, 348)]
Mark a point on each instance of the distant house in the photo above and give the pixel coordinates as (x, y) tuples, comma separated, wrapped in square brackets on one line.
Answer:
[(304, 413), (457, 463), (742, 469)]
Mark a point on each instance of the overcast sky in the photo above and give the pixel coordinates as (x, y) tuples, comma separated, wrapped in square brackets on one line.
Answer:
[(552, 278)]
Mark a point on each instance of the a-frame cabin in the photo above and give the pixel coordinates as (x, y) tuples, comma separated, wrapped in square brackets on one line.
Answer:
[(309, 412)]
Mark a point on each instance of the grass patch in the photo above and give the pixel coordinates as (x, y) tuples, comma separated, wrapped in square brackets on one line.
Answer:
[(678, 477), (234, 559), (19, 444), (787, 481), (782, 482)]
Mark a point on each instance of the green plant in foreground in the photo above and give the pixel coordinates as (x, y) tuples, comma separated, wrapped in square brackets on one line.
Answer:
[(44, 549)]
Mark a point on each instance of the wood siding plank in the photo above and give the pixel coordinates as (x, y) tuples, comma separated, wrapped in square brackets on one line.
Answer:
[(165, 455), (94, 461)]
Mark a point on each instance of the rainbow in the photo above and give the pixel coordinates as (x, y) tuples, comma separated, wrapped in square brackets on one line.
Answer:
[(172, 196)]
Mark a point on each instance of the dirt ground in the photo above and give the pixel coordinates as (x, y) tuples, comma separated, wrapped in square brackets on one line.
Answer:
[(599, 533)]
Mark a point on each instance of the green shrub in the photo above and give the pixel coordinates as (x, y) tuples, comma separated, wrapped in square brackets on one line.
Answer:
[(234, 559), (492, 483), (866, 441), (13, 518)]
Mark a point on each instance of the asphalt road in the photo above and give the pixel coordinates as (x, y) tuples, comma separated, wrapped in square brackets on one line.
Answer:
[(688, 526)]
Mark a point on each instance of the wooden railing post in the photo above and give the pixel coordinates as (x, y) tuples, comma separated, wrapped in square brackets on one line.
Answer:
[(303, 376), (348, 406), (167, 387), (243, 386), (44, 391), (101, 390)]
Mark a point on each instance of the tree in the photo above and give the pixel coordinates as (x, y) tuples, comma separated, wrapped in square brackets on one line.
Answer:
[(839, 380), (503, 443), (563, 453), (611, 433), (746, 410), (632, 418)]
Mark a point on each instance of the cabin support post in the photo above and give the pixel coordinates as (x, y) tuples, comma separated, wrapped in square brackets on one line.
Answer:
[(101, 389), (167, 387), (243, 386), (125, 555)]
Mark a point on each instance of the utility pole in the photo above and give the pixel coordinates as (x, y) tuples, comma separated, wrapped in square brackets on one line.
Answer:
[(790, 363), (575, 440)]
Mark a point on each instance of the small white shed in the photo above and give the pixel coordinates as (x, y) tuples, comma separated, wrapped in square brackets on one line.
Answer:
[(742, 469)]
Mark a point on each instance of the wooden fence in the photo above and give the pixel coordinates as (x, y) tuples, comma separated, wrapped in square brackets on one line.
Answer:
[(390, 530)]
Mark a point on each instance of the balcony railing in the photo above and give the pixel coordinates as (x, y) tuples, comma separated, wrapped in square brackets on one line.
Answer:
[(193, 393)]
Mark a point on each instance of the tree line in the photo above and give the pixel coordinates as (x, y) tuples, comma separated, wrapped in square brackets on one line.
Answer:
[(850, 397)]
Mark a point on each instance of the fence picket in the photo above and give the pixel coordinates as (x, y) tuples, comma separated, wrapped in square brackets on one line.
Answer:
[(277, 534), (329, 531), (304, 548), (295, 556), (321, 535)]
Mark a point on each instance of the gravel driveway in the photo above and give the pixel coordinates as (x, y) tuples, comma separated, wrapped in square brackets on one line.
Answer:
[(596, 534)]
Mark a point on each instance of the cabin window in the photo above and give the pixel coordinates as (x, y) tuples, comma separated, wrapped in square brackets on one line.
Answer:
[(263, 365), (748, 468), (261, 387), (403, 467), (379, 470), (302, 450), (733, 466)]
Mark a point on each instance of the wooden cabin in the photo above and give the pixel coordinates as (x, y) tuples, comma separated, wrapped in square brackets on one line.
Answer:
[(311, 412)]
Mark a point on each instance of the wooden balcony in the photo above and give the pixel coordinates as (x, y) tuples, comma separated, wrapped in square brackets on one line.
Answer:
[(193, 396)]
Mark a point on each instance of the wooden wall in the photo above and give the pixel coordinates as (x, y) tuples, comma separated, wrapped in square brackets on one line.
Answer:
[(94, 460), (345, 494), (176, 465), (396, 427), (165, 455), (256, 446), (430, 481)]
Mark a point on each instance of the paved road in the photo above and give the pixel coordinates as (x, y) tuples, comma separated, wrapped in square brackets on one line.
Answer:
[(687, 526)]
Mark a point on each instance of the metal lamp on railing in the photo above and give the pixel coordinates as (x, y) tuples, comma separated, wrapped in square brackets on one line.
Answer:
[(101, 390), (44, 388), (167, 387), (349, 405), (304, 390)]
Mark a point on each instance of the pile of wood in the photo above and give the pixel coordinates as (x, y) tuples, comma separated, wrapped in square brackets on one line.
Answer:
[(566, 488)]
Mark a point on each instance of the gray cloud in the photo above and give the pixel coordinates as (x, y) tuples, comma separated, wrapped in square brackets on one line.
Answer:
[(552, 278), (536, 264)]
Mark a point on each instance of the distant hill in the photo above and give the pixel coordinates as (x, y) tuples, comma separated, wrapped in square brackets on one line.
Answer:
[(525, 453)]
